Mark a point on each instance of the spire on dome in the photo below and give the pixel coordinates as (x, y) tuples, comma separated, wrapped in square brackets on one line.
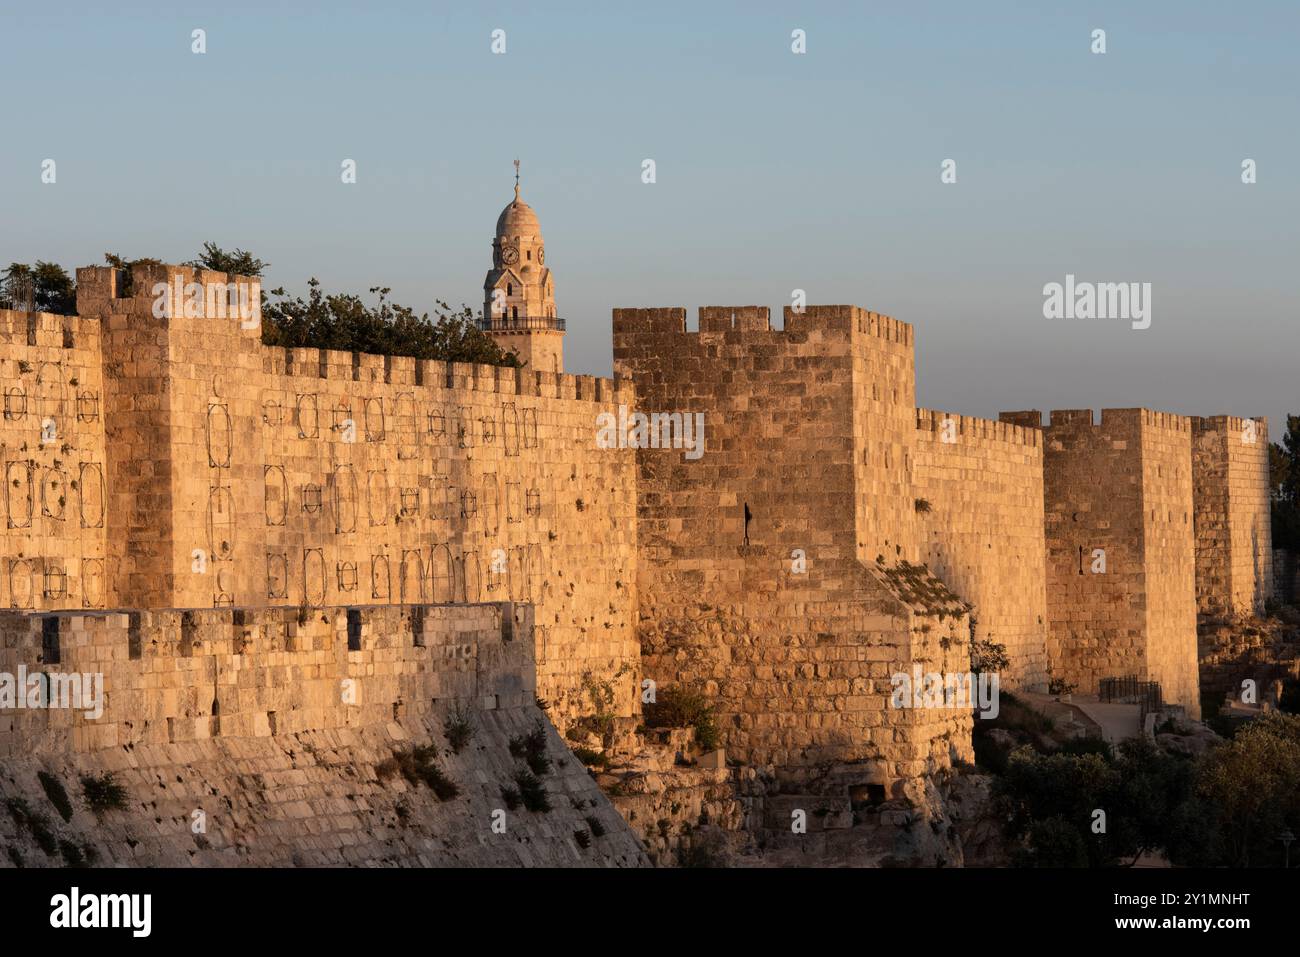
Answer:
[(516, 181)]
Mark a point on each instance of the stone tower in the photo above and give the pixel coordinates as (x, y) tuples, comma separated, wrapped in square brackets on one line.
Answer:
[(519, 292)]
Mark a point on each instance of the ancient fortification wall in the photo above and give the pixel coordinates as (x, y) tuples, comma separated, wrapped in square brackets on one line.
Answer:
[(1120, 548), (242, 475), (269, 736), (1234, 553), (333, 519), (981, 485), (777, 620)]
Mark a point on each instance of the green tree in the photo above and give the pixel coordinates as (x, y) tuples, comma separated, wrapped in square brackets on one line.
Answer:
[(1247, 792), (346, 323), (237, 263), (340, 321), (1049, 796), (1284, 482), (124, 264), (45, 287)]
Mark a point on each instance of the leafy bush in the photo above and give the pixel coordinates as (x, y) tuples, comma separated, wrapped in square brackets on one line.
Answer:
[(1087, 745), (1060, 686), (1052, 842), (346, 323), (459, 728), (1043, 795), (103, 793), (532, 792), (531, 749), (987, 656), (1245, 794), (420, 765), (681, 707), (237, 263)]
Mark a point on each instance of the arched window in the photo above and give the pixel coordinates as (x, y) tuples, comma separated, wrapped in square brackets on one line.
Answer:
[(514, 312), (510, 289), (530, 254)]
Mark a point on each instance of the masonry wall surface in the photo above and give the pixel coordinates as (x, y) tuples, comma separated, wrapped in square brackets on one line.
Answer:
[(1169, 549), (1120, 549), (244, 475), (884, 431), (981, 483), (55, 500), (789, 634), (268, 737), (1234, 551)]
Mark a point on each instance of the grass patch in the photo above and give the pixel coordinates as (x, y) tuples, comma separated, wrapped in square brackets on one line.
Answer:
[(532, 792), (103, 793), (531, 749), (420, 765), (459, 729), (55, 791)]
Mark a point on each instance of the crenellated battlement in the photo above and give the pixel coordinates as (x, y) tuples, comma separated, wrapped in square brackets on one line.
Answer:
[(1086, 418), (46, 330), (744, 321), (1150, 418), (990, 430), (1256, 427), (436, 376)]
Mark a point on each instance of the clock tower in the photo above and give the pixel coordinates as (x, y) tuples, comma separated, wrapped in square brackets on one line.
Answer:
[(519, 292)]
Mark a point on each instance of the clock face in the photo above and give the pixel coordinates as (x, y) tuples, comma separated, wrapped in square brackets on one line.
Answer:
[(541, 255), (509, 255)]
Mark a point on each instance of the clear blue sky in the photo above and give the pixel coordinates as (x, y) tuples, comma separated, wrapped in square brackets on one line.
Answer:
[(775, 171)]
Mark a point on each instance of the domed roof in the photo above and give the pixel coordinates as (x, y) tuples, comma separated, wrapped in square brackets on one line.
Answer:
[(518, 219)]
